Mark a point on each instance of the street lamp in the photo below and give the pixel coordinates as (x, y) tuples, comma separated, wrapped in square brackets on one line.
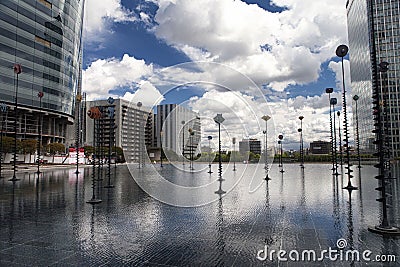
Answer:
[(191, 134), (333, 103), (161, 150), (340, 141), (139, 105), (17, 71), (281, 153), (3, 109), (266, 167), (329, 91), (183, 142), (219, 119), (111, 114), (341, 52), (355, 98), (77, 137), (234, 143), (301, 142), (40, 95), (95, 114), (209, 154)]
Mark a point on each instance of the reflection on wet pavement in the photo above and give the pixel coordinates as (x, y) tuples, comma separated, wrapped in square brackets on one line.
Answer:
[(46, 221)]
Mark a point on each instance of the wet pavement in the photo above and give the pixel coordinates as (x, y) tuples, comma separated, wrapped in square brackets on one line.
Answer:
[(46, 221)]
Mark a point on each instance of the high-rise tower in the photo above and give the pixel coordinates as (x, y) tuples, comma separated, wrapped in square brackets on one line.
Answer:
[(44, 37), (374, 34)]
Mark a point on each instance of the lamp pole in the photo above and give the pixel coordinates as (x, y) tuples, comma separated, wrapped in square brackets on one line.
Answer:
[(329, 91), (301, 142), (77, 137), (340, 141), (111, 113), (266, 167), (183, 142), (233, 154), (333, 103), (219, 119), (3, 109), (139, 105), (161, 150), (341, 52), (209, 154), (355, 98), (95, 114), (40, 95), (17, 71), (281, 154), (191, 133)]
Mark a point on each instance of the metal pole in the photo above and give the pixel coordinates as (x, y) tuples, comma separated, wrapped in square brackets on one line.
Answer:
[(355, 98), (329, 91), (266, 167), (233, 155), (161, 150), (281, 154), (17, 71), (40, 95), (209, 154), (3, 108), (341, 52), (333, 103), (78, 101), (183, 142), (340, 141)]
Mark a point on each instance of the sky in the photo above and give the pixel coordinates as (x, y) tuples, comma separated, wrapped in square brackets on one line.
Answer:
[(244, 59)]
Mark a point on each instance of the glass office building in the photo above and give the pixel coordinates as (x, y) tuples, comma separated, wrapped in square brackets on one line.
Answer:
[(375, 24), (44, 37)]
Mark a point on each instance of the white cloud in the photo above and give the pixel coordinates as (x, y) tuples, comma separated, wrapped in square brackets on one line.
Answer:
[(296, 41), (147, 94), (243, 113), (99, 16), (104, 75)]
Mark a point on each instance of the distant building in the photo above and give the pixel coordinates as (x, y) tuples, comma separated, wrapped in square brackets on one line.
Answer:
[(132, 123), (250, 145), (172, 126), (320, 147)]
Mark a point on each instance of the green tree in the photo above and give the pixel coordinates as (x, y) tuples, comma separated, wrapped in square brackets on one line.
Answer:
[(28, 146), (55, 148)]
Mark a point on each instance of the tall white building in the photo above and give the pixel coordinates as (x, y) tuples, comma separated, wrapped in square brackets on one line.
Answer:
[(133, 127), (172, 130)]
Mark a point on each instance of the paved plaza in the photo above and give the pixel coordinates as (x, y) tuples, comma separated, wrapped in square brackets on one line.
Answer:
[(46, 221)]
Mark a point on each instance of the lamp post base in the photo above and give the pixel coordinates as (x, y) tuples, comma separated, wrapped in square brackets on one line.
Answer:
[(389, 231), (94, 201), (267, 178), (14, 179), (350, 187), (220, 192), (282, 171), (109, 186)]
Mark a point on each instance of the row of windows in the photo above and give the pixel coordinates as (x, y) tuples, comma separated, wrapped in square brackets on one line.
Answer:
[(30, 29), (35, 87), (29, 57)]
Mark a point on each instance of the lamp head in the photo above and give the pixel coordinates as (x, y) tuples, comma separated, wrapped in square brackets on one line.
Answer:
[(329, 90), (333, 101), (341, 50)]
